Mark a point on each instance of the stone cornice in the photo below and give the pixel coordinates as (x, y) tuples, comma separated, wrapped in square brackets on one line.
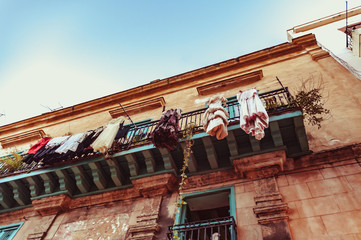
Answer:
[(84, 109)]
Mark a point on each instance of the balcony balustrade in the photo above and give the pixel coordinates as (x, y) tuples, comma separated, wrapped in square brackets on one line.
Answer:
[(225, 228), (348, 31)]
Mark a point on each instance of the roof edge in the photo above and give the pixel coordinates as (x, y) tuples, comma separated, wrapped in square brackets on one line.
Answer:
[(297, 44)]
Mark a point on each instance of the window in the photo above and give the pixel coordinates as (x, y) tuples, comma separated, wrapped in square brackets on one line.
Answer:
[(205, 215), (8, 232)]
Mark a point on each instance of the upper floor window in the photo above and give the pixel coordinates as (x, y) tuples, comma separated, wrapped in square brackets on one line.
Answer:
[(8, 232), (207, 215)]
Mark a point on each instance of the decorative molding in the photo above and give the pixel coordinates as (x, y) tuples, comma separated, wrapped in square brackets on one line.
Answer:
[(230, 82), (138, 107), (270, 210), (318, 54), (146, 225), (260, 166), (24, 137), (40, 230)]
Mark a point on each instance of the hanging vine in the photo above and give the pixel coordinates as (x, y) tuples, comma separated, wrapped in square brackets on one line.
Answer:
[(188, 133)]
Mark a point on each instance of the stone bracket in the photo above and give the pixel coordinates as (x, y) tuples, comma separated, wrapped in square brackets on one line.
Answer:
[(156, 185), (52, 205), (261, 165)]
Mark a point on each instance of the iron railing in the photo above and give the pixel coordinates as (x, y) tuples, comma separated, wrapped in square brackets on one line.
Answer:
[(225, 228), (348, 32), (274, 101)]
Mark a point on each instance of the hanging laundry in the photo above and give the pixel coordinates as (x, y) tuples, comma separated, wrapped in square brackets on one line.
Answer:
[(39, 145), (165, 134), (34, 149), (123, 131), (253, 117), (106, 138), (215, 119), (48, 151), (84, 147), (72, 143)]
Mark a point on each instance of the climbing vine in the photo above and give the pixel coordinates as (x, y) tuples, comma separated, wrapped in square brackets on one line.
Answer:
[(187, 151)]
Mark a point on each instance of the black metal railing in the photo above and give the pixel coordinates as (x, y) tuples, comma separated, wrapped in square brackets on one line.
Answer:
[(225, 228), (274, 101), (349, 30)]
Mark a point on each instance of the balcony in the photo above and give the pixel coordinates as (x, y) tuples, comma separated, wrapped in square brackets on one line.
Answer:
[(136, 157), (224, 227), (348, 30), (276, 102)]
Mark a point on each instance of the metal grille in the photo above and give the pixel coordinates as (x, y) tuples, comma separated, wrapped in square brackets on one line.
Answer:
[(224, 227), (349, 30)]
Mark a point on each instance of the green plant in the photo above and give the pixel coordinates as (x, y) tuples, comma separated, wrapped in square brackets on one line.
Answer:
[(187, 151), (309, 97)]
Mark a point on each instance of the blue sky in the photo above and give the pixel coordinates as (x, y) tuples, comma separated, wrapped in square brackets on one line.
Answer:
[(66, 52)]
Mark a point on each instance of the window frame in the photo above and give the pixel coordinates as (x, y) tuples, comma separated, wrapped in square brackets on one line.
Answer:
[(181, 209), (13, 227)]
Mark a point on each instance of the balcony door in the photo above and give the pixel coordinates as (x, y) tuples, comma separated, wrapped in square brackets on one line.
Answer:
[(208, 214)]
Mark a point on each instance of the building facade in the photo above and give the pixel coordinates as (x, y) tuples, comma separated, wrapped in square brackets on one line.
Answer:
[(298, 182)]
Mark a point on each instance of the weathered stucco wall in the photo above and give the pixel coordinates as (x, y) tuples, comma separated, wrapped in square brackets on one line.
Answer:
[(100, 217), (316, 197), (322, 193)]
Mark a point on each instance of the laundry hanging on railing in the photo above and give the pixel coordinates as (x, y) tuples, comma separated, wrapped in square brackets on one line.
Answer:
[(253, 117), (122, 132), (47, 151), (106, 138), (39, 145), (215, 119), (72, 143), (66, 147), (36, 148), (84, 147), (165, 134)]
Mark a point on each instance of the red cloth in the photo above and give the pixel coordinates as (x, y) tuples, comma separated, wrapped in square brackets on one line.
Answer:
[(39, 145)]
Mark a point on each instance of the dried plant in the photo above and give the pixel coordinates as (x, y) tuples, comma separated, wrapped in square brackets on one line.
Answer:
[(10, 163), (311, 98)]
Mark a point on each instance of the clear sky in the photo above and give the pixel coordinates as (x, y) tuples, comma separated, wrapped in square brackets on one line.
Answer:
[(66, 52)]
